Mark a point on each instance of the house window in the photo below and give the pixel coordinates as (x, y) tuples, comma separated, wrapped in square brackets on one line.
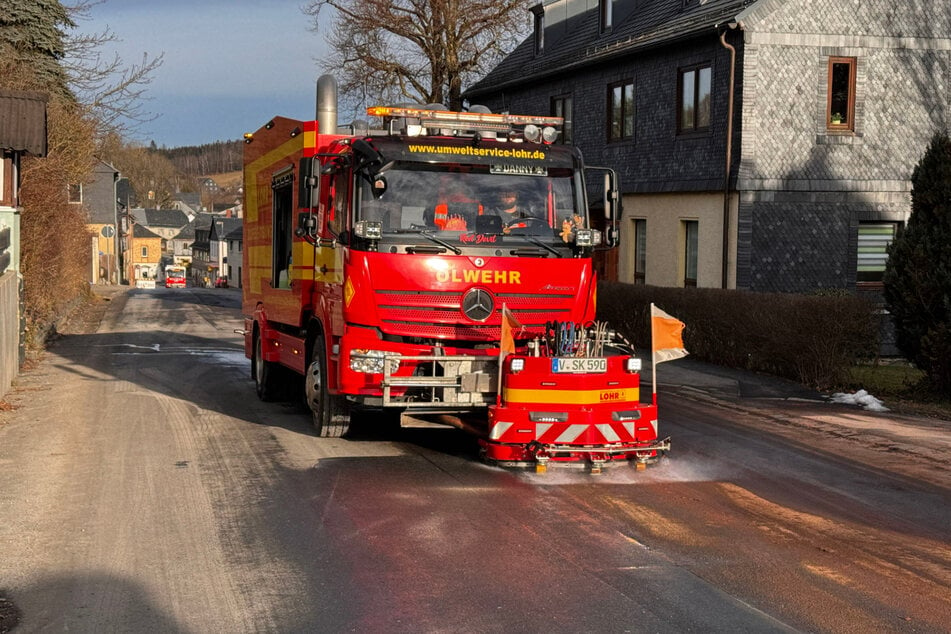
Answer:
[(874, 238), (693, 113), (621, 111), (640, 251), (606, 11), (145, 253), (840, 108), (539, 13), (75, 193), (561, 107), (691, 245)]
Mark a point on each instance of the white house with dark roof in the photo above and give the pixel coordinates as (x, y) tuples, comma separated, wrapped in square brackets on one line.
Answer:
[(218, 241)]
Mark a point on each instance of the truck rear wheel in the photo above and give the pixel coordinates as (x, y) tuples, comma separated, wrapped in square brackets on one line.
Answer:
[(266, 374), (331, 413)]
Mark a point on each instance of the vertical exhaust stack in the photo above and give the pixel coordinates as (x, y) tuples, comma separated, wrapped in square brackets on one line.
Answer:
[(327, 104)]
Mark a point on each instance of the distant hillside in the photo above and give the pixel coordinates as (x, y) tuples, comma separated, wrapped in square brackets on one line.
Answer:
[(212, 158), (227, 180)]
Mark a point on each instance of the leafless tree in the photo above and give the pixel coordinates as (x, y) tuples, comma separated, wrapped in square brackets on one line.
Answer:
[(111, 90), (417, 50)]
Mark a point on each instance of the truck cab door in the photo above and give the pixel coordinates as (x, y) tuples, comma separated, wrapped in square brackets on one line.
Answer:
[(329, 272)]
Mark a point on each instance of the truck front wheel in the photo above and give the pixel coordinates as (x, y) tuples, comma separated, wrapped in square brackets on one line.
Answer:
[(266, 374), (331, 412)]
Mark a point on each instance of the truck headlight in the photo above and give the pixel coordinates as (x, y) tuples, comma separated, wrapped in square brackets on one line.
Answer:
[(367, 361), (633, 364), (548, 417), (517, 365), (626, 415)]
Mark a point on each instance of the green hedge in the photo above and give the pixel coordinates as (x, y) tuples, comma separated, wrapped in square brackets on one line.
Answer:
[(812, 339)]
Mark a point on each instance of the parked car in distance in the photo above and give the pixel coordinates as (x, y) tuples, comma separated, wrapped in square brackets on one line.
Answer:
[(221, 282)]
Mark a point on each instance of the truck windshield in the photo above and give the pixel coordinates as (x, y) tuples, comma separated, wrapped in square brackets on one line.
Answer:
[(475, 204)]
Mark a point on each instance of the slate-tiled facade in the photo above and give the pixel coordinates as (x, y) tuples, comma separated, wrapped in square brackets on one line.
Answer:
[(804, 190), (797, 192)]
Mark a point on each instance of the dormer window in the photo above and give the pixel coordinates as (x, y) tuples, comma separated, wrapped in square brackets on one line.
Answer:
[(605, 12), (539, 19)]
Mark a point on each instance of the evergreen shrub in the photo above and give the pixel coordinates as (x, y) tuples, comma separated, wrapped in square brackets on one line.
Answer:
[(917, 276)]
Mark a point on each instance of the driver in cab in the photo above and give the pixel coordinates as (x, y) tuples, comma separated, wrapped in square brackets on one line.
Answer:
[(508, 208)]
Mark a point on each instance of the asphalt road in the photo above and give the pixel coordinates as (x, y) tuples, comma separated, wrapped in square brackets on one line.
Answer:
[(143, 487)]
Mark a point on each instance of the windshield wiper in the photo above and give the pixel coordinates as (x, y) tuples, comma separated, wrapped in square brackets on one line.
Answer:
[(535, 241), (427, 234)]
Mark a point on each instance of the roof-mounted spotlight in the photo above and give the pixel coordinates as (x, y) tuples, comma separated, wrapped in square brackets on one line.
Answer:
[(248, 137), (532, 133), (549, 134), (295, 131), (269, 124)]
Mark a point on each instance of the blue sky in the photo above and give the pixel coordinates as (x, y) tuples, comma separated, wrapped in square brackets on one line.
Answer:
[(229, 65)]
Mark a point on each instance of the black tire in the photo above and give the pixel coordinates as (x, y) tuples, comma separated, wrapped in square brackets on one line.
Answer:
[(331, 412), (266, 374)]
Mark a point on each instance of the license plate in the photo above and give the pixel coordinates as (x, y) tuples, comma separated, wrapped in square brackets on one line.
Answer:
[(576, 365)]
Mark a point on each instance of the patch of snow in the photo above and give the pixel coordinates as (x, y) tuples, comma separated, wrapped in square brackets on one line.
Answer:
[(861, 398)]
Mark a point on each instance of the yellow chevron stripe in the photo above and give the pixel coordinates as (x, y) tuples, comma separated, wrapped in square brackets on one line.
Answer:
[(571, 397), (251, 173)]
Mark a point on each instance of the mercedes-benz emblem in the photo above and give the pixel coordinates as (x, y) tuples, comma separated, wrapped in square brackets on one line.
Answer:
[(477, 304)]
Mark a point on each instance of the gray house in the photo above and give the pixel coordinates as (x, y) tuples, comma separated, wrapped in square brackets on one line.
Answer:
[(202, 265), (764, 145), (235, 244), (189, 202), (181, 245), (164, 222), (99, 198)]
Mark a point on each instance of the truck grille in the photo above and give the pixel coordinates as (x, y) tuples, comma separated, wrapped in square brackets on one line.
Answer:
[(439, 314)]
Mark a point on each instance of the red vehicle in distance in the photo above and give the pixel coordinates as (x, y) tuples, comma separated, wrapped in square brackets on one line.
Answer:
[(175, 276)]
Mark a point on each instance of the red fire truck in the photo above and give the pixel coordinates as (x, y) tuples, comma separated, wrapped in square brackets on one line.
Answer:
[(393, 271)]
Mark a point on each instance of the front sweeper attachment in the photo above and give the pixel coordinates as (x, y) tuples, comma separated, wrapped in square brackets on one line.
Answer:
[(580, 405)]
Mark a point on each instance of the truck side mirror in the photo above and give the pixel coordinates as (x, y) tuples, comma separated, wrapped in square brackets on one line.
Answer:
[(308, 192), (367, 157), (611, 206)]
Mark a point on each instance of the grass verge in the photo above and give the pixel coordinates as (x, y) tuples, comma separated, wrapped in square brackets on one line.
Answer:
[(901, 387)]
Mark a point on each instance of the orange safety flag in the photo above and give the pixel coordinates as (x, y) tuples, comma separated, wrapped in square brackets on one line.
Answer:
[(509, 324), (667, 341)]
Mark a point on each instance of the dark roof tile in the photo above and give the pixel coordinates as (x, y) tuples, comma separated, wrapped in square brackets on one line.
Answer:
[(23, 121), (654, 23)]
